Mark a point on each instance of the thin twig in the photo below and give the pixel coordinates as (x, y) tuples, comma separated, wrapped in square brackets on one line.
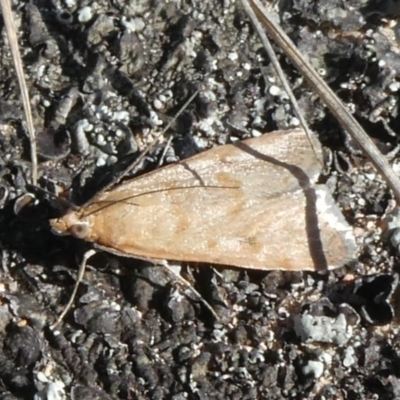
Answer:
[(12, 38), (335, 105), (281, 75), (156, 141), (161, 133)]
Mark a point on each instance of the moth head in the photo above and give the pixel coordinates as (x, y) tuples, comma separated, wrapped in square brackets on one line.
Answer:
[(71, 224)]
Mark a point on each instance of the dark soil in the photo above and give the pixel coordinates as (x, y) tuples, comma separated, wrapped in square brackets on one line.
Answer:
[(103, 77)]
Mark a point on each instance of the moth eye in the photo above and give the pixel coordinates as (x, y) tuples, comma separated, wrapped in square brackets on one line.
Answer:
[(80, 231)]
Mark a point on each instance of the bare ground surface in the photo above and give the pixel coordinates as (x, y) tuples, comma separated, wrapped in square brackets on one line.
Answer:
[(102, 77)]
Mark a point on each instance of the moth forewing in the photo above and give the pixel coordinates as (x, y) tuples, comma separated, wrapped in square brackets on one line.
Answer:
[(234, 205)]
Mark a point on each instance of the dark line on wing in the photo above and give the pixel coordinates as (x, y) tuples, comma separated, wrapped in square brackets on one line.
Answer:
[(125, 200)]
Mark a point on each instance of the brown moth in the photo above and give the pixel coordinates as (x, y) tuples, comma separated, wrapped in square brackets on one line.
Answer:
[(251, 204)]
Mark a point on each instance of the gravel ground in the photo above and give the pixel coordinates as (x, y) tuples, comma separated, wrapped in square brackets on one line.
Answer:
[(102, 79)]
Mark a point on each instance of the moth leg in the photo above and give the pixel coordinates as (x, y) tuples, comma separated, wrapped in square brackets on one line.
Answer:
[(81, 272), (191, 288)]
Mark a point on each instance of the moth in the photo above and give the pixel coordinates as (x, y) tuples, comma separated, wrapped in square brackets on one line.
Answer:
[(250, 204)]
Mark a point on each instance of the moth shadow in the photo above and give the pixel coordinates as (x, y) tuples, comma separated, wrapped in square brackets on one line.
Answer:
[(313, 232)]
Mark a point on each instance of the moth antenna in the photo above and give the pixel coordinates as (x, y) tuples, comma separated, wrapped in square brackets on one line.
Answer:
[(281, 76), (81, 272), (110, 204), (12, 38), (193, 290), (148, 149)]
